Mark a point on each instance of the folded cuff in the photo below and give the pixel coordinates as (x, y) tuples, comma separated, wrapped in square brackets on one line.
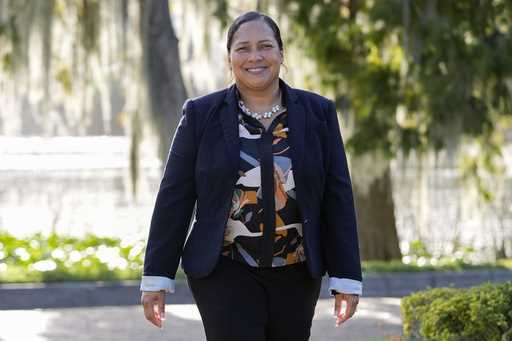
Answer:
[(346, 285), (157, 283)]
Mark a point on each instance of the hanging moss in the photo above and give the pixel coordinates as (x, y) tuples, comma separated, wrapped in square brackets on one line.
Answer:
[(90, 21), (46, 17), (15, 34), (135, 139), (63, 76)]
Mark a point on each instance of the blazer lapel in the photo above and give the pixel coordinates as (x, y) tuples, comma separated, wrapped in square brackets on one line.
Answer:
[(229, 121), (297, 124)]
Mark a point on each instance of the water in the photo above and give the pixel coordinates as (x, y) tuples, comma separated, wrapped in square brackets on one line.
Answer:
[(74, 185)]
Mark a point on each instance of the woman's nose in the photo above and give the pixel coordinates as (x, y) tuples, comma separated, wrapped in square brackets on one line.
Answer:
[(255, 55)]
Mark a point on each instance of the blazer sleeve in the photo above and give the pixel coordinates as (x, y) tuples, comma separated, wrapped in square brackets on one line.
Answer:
[(338, 211), (174, 202)]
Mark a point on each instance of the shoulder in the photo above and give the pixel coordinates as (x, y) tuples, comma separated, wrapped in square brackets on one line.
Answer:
[(199, 109), (205, 102)]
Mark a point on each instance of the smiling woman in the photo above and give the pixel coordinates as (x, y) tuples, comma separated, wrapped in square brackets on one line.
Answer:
[(265, 166), (255, 57)]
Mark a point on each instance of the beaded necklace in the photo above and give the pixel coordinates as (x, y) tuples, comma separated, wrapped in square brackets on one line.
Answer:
[(257, 115)]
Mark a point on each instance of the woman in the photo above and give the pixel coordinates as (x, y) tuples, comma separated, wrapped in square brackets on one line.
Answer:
[(266, 167)]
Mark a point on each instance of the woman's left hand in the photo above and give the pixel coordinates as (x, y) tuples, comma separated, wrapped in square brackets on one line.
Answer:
[(351, 306)]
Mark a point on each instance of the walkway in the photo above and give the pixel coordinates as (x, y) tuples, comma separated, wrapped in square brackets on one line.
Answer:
[(376, 319)]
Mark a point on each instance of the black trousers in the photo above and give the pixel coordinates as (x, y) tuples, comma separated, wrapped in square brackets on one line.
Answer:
[(238, 302)]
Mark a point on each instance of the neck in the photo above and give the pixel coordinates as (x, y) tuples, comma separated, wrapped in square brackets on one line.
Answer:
[(259, 100)]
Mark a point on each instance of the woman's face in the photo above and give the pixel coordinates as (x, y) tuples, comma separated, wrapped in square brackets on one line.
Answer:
[(255, 57)]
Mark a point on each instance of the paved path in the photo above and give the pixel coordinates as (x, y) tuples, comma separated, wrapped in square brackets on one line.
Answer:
[(376, 318)]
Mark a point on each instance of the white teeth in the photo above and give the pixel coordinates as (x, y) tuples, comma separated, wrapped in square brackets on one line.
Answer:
[(256, 69)]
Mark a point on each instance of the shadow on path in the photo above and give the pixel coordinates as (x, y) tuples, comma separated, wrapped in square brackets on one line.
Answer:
[(376, 317)]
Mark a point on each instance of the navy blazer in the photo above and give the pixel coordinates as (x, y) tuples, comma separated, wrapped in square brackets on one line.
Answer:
[(202, 169)]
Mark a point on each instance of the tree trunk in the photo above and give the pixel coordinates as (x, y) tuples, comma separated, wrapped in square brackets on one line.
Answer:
[(162, 68), (375, 209)]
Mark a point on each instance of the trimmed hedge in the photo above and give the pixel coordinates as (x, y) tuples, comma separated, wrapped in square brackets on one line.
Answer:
[(479, 313)]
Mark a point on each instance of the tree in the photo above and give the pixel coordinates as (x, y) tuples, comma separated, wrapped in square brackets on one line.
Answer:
[(415, 75), (145, 71), (167, 91)]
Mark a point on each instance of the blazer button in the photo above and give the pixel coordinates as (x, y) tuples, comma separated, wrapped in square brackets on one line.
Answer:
[(306, 221)]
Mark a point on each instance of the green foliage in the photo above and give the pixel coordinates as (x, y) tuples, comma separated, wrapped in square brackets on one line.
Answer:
[(13, 33), (417, 253), (440, 265), (220, 11), (89, 19), (22, 19), (505, 262), (418, 249), (415, 307), (53, 257), (40, 258), (417, 257), (56, 258), (415, 75), (483, 312), (65, 79)]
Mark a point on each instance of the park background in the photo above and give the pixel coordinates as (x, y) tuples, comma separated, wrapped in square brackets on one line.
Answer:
[(91, 92)]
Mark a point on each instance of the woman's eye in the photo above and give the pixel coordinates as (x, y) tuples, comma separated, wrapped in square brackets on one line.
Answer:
[(267, 46), (242, 49)]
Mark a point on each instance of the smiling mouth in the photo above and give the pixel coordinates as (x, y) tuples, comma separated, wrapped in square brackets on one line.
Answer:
[(256, 70)]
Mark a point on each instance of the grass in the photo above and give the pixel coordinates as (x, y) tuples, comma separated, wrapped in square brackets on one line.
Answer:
[(444, 265)]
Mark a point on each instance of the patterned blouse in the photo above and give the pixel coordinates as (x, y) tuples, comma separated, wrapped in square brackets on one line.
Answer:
[(264, 228)]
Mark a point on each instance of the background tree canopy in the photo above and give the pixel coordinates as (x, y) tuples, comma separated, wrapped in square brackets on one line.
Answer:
[(416, 74)]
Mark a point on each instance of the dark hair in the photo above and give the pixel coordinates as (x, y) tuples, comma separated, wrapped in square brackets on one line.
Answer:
[(253, 16)]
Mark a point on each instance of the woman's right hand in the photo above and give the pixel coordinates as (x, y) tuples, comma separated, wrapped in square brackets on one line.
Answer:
[(153, 303)]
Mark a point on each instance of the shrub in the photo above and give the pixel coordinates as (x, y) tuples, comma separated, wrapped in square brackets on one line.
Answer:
[(48, 258), (480, 313), (54, 258)]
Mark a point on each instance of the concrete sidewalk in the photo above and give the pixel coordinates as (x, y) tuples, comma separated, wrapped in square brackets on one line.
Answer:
[(376, 319)]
